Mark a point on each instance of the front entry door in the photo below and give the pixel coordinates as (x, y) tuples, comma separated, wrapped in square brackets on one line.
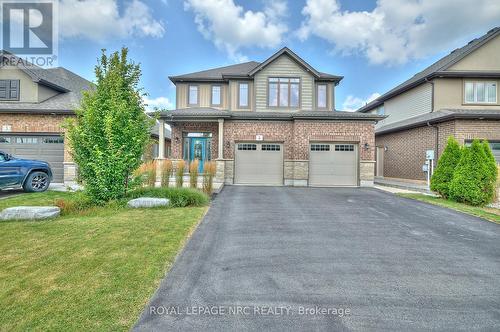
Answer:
[(198, 151)]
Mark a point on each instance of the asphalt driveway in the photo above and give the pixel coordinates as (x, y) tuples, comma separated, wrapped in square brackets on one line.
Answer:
[(268, 258)]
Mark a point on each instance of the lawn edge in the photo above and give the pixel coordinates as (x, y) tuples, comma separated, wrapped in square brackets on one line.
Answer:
[(168, 267), (402, 195)]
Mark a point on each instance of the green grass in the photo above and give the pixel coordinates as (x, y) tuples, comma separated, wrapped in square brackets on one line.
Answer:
[(483, 212), (86, 272)]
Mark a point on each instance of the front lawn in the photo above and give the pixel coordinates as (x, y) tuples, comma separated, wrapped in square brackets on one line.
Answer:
[(482, 212), (86, 272)]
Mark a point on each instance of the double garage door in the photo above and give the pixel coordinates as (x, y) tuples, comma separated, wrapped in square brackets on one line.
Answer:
[(330, 164), (37, 147)]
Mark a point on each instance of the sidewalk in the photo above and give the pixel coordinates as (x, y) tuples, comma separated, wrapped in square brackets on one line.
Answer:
[(403, 184)]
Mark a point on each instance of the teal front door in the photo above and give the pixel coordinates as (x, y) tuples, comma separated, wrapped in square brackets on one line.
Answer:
[(198, 150)]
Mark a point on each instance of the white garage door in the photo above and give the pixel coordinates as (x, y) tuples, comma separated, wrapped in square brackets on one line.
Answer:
[(37, 147), (333, 164), (259, 164)]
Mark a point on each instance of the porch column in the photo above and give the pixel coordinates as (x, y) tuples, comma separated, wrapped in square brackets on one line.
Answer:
[(161, 139), (221, 139)]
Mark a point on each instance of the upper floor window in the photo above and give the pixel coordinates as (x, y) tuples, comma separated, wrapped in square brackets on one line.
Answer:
[(216, 95), (284, 92), (481, 92), (243, 93), (9, 89), (381, 110), (322, 88), (193, 95)]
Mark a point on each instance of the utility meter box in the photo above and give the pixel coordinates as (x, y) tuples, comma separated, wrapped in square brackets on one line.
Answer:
[(429, 154)]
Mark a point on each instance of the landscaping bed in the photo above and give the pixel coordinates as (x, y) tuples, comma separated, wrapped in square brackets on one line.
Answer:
[(490, 214), (92, 268)]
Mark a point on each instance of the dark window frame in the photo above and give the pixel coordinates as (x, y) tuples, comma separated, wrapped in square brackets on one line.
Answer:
[(212, 95), (270, 147), (318, 147), (246, 147), (326, 96), (197, 94), (8, 90), (289, 83), (247, 106)]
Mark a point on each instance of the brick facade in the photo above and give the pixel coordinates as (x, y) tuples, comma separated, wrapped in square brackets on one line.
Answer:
[(295, 135), (184, 127), (405, 152), (30, 123)]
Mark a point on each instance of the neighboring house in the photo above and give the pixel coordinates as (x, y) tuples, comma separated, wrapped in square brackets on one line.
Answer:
[(456, 96), (34, 102), (271, 123), (155, 135)]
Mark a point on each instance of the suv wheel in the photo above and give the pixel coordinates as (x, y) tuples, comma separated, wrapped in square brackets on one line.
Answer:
[(36, 182)]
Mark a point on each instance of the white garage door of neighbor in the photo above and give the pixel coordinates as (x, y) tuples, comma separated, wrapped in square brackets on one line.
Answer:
[(37, 147), (333, 164), (259, 164)]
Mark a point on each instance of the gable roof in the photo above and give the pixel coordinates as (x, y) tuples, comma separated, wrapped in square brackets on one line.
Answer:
[(60, 79), (438, 69), (247, 70)]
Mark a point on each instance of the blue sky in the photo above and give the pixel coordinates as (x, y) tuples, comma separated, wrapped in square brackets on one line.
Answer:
[(373, 44)]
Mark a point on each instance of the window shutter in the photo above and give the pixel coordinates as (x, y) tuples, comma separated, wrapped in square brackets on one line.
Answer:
[(14, 90), (3, 89)]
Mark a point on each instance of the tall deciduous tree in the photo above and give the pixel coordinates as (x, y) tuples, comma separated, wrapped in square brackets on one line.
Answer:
[(111, 130)]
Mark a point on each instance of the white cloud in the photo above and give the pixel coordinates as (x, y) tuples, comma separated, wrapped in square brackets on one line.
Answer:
[(352, 104), (100, 20), (158, 103), (397, 31), (230, 27)]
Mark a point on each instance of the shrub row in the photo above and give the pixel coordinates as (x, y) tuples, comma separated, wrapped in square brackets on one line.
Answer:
[(466, 174)]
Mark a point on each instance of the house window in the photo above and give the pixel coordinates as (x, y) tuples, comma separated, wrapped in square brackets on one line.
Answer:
[(243, 93), (193, 95), (320, 147), (216, 95), (481, 92), (344, 147), (322, 88), (27, 140), (271, 147), (495, 149), (283, 92), (9, 89), (247, 147), (381, 110), (4, 139), (53, 140)]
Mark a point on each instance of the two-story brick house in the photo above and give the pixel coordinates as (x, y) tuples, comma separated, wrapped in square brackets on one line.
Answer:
[(456, 96), (271, 123)]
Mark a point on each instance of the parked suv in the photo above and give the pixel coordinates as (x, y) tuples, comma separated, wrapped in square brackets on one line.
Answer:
[(31, 175)]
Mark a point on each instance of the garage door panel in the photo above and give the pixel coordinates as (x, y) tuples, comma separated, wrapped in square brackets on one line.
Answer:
[(38, 147), (259, 164), (333, 164)]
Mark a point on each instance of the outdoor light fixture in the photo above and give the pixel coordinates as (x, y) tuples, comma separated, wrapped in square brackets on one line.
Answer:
[(228, 145), (176, 139), (367, 146)]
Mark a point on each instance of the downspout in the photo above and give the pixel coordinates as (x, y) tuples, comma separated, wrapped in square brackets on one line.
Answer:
[(436, 140), (436, 144)]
